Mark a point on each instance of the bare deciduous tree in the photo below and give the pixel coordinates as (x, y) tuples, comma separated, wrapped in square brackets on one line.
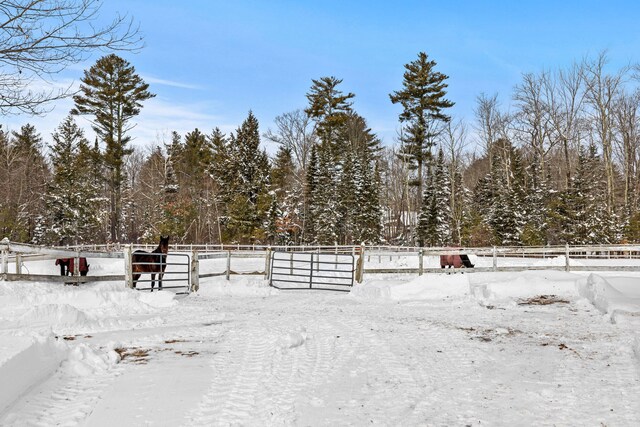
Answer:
[(626, 141), (294, 131), (602, 90), (533, 118), (395, 196), (454, 143), (40, 38), (565, 95), (491, 123)]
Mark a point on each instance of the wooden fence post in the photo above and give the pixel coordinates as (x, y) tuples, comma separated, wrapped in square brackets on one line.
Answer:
[(5, 263), (18, 263), (566, 255), (128, 268), (495, 259), (290, 262), (76, 265), (267, 264), (420, 262), (195, 271), (228, 264), (360, 266)]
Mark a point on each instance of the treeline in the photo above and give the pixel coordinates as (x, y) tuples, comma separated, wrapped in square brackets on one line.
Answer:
[(561, 166)]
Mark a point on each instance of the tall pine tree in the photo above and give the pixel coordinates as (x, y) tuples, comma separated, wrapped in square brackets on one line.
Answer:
[(423, 102), (112, 93)]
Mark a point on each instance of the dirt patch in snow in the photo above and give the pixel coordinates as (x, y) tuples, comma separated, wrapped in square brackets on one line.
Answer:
[(542, 300), (133, 354)]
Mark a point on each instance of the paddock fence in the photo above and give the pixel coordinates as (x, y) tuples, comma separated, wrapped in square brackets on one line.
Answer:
[(206, 261)]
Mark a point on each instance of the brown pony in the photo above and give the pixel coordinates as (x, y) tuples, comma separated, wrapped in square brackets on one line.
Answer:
[(151, 262)]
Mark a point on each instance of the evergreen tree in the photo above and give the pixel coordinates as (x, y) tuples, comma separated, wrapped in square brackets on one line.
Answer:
[(435, 216), (326, 206), (112, 93), (330, 109), (347, 189), (311, 204), (536, 212), (423, 102), (28, 181), (369, 214), (508, 219), (174, 155), (250, 203), (499, 198), (287, 198), (359, 199), (72, 212), (594, 224), (196, 158), (426, 222), (222, 173)]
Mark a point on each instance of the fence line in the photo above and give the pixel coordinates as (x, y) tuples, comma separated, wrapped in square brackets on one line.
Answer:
[(19, 252)]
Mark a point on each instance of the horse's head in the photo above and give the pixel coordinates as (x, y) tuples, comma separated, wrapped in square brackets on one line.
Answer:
[(164, 244)]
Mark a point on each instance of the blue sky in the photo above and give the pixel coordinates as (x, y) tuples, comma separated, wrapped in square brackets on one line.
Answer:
[(210, 62)]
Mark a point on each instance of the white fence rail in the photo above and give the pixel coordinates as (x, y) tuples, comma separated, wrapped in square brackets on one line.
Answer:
[(216, 260)]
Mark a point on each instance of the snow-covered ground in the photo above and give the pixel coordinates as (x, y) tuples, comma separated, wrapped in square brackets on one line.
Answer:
[(460, 349)]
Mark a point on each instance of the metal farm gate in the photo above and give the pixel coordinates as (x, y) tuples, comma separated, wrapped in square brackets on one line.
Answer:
[(177, 275), (311, 270)]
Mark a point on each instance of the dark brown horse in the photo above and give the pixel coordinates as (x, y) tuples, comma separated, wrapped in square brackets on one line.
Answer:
[(66, 266), (151, 262)]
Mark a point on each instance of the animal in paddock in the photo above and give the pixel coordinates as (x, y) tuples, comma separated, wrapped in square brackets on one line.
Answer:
[(67, 265), (151, 262), (455, 260)]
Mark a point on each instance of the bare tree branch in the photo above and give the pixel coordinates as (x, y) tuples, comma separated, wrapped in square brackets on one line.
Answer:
[(40, 38)]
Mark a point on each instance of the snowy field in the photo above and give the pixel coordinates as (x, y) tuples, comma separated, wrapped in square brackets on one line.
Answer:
[(530, 348)]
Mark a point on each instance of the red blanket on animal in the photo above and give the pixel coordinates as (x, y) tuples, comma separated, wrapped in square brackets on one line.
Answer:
[(67, 266)]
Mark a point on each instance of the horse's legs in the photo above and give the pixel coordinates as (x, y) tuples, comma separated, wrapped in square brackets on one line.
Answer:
[(160, 280), (136, 276), (153, 281), (62, 272)]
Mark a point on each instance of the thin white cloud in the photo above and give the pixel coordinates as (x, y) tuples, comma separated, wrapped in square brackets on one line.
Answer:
[(171, 83), (155, 123), (160, 117)]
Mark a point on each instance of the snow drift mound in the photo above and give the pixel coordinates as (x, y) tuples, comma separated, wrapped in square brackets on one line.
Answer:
[(53, 315), (84, 361), (237, 286), (98, 299), (427, 287), (520, 285), (618, 297)]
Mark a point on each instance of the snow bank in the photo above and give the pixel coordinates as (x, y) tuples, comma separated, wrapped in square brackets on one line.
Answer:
[(525, 284), (32, 360), (237, 286), (46, 307), (54, 315), (483, 286), (429, 286), (618, 297)]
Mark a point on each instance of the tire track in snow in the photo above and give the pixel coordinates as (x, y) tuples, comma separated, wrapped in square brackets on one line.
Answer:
[(261, 373)]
